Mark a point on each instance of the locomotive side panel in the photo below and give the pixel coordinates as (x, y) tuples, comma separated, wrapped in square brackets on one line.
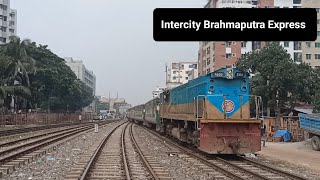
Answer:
[(179, 103)]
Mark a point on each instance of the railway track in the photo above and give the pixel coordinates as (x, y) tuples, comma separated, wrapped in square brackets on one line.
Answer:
[(17, 131), (14, 156), (32, 137), (118, 156), (239, 168), (11, 132)]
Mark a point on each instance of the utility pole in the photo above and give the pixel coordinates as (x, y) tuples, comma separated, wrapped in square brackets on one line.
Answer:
[(166, 73), (179, 72), (109, 101)]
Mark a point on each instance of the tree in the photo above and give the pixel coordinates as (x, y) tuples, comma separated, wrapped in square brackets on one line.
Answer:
[(316, 93), (281, 82), (21, 64), (17, 67), (33, 75), (7, 88), (55, 86)]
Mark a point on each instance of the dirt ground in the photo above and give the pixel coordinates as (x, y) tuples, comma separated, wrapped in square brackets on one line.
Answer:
[(297, 154)]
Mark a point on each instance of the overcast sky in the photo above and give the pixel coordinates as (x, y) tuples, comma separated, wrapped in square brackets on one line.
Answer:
[(112, 37)]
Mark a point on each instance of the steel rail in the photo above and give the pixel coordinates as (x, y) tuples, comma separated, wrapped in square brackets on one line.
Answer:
[(201, 159), (272, 169), (144, 160), (97, 152), (124, 158)]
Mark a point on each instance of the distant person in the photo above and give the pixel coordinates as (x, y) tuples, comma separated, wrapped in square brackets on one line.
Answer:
[(263, 133), (80, 118)]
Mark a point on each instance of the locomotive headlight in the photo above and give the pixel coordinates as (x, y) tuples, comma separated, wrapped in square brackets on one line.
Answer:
[(229, 73), (244, 88), (211, 88)]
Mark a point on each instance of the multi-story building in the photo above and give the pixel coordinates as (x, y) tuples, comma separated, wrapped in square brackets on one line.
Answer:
[(85, 76), (179, 72), (193, 74), (216, 55), (157, 92), (311, 50), (8, 21)]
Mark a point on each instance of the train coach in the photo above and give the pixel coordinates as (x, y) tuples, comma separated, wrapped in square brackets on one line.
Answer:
[(136, 113), (214, 112)]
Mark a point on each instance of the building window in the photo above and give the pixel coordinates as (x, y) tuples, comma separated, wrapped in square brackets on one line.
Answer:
[(4, 29), (174, 72), (285, 7), (297, 57), (3, 40), (228, 55), (296, 1), (186, 78), (317, 45), (244, 44), (11, 30), (318, 10), (254, 2), (208, 61), (208, 71), (297, 45), (11, 23), (318, 21), (318, 33), (208, 50), (317, 56), (256, 45), (308, 44), (276, 7), (174, 78), (3, 7), (228, 43), (286, 43), (308, 56)]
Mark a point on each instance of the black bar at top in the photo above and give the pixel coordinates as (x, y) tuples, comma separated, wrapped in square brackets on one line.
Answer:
[(284, 15)]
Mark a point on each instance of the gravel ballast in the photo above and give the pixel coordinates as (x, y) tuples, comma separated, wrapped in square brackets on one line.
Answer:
[(55, 165), (168, 157)]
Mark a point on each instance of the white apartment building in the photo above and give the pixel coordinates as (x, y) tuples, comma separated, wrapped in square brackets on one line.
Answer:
[(8, 21), (193, 74), (85, 76), (179, 72), (156, 93)]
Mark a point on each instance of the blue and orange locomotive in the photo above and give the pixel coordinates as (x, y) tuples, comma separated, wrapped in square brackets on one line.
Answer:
[(214, 112)]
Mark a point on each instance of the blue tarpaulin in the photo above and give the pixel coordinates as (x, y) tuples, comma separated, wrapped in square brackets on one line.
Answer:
[(283, 133)]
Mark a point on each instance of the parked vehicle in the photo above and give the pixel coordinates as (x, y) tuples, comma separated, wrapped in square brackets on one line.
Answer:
[(311, 124)]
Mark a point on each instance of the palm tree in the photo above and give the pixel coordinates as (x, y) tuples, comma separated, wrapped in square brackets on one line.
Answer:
[(21, 64), (15, 65)]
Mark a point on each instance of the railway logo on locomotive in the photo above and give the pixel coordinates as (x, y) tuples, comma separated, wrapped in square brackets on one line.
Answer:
[(229, 106)]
